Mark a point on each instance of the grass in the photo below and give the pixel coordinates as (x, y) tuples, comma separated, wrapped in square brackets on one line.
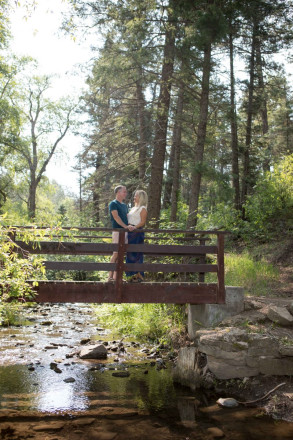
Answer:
[(148, 322), (258, 277)]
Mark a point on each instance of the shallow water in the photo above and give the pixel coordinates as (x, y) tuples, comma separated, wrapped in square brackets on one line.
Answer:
[(143, 405)]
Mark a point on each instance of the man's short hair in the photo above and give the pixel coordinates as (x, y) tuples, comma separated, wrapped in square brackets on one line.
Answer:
[(118, 188)]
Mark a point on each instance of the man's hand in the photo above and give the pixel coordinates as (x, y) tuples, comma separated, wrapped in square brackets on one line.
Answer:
[(131, 228)]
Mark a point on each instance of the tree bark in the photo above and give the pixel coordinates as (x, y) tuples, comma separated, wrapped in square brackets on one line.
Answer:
[(142, 127), (234, 134), (160, 140), (177, 153), (246, 157), (263, 104), (201, 136)]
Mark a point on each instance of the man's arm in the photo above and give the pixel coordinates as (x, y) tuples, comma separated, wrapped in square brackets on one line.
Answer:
[(118, 219)]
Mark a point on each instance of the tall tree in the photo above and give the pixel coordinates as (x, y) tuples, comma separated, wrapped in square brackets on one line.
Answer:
[(160, 140), (47, 122)]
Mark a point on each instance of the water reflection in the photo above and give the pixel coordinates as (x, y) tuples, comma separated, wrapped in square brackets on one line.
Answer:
[(45, 390)]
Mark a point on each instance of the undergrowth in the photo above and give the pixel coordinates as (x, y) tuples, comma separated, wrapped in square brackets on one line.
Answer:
[(147, 322)]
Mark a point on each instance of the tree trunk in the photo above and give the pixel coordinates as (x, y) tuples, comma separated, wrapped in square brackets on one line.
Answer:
[(142, 127), (234, 134), (169, 177), (177, 150), (263, 106), (246, 158), (201, 136), (160, 140), (31, 205)]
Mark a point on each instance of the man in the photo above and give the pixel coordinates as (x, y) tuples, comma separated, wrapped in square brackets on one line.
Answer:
[(118, 214)]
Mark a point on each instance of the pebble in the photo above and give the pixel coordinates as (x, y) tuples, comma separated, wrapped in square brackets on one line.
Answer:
[(228, 402), (69, 380), (121, 374), (215, 432)]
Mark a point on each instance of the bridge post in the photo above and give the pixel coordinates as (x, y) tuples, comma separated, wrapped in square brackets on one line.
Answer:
[(221, 269), (120, 265)]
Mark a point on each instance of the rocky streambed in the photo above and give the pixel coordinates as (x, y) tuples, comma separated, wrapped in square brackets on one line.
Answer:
[(63, 376)]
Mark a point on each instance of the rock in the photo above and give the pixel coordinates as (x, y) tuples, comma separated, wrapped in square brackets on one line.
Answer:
[(280, 315), (53, 426), (223, 369), (228, 402), (121, 374), (215, 432), (69, 380), (272, 366), (85, 341), (290, 307), (93, 352), (83, 422), (46, 323), (101, 435), (286, 350)]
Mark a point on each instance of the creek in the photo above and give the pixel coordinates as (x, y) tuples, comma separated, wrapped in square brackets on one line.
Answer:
[(48, 392)]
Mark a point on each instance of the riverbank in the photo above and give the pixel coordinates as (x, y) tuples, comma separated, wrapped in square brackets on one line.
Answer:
[(248, 356)]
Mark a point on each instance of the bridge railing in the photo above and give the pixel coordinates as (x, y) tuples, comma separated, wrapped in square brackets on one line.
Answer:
[(187, 252)]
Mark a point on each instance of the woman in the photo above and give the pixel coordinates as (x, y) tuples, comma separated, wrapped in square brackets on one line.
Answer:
[(136, 220)]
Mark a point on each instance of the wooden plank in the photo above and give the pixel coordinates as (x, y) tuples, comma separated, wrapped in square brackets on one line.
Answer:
[(71, 248), (221, 271), (165, 249), (76, 265), (96, 292), (171, 268), (68, 248), (148, 267)]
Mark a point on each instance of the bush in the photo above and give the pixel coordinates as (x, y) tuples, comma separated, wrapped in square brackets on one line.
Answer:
[(145, 321), (17, 267), (270, 208)]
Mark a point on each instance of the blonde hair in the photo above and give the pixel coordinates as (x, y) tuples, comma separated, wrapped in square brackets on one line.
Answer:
[(142, 198)]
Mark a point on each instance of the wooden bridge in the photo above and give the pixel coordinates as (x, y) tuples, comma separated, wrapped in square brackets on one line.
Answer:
[(184, 261)]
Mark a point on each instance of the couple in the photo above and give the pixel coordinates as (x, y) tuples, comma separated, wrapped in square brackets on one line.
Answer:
[(132, 220)]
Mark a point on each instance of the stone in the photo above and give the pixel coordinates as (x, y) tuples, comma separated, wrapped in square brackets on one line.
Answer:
[(286, 350), (225, 370), (262, 345), (277, 367), (121, 374), (290, 307), (84, 341), (93, 352), (53, 426), (101, 435), (69, 380), (215, 432), (83, 422), (280, 315)]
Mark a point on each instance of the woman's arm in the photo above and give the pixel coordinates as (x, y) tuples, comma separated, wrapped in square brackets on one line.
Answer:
[(143, 216)]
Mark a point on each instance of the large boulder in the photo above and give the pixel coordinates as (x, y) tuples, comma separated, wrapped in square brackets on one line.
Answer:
[(93, 352), (280, 315)]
